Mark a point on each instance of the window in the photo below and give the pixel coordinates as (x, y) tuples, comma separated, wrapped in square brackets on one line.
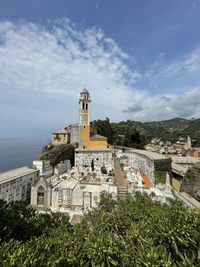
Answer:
[(86, 106), (40, 195)]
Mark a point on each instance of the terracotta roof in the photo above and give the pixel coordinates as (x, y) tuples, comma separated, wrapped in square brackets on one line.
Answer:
[(147, 181), (98, 137)]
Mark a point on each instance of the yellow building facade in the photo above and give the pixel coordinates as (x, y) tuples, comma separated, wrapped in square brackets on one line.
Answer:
[(60, 137)]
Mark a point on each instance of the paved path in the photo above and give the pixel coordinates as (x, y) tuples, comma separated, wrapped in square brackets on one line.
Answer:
[(120, 179)]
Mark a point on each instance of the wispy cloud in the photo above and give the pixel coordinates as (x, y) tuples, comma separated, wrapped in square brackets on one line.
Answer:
[(59, 59), (184, 105), (186, 64)]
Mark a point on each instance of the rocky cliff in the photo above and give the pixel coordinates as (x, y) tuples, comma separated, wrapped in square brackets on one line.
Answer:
[(57, 153), (191, 182)]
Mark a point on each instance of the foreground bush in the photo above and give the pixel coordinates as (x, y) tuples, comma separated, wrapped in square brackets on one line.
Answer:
[(133, 231)]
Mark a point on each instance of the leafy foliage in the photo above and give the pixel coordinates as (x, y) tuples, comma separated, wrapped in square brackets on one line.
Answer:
[(103, 170), (21, 222), (132, 231), (92, 164), (137, 134), (162, 166), (160, 177)]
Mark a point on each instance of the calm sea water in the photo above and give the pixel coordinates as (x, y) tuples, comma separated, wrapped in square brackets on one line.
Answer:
[(16, 153)]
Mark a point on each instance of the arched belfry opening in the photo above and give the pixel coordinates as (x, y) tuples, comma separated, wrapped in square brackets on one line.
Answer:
[(40, 195)]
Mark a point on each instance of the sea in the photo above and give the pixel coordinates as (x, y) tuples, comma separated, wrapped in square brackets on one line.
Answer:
[(16, 153)]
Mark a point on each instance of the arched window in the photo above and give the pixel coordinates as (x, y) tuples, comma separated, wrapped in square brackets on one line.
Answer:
[(40, 195)]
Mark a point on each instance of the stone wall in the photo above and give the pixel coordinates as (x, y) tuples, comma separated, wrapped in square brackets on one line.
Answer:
[(18, 188), (62, 167), (101, 158), (44, 167), (145, 164)]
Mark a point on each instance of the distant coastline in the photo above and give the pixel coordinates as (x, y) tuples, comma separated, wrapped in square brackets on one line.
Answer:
[(16, 153)]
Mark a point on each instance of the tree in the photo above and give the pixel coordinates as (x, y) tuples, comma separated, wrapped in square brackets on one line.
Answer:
[(92, 164), (103, 170)]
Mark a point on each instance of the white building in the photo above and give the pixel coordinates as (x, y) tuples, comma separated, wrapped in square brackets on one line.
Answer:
[(16, 184), (80, 187), (62, 167), (144, 160), (76, 189), (100, 158), (44, 167)]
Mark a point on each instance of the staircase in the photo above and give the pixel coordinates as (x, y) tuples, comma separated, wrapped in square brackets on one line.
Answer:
[(122, 191), (120, 179)]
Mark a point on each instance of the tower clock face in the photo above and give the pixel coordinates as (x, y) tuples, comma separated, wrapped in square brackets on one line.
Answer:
[(84, 119)]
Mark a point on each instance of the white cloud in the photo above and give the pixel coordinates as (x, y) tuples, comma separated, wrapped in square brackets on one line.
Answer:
[(187, 64), (185, 105), (59, 60)]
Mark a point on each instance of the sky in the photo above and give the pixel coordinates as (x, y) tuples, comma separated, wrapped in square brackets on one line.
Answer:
[(140, 60)]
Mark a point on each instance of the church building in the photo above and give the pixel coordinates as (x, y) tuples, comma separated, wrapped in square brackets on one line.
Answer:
[(80, 187), (92, 149)]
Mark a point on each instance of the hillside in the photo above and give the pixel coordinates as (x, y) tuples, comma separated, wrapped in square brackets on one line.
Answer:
[(137, 134)]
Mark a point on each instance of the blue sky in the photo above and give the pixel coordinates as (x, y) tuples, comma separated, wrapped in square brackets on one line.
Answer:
[(140, 60)]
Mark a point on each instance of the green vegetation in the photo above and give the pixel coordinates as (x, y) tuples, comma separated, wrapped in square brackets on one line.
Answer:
[(133, 231), (103, 170), (92, 164), (160, 177), (137, 134), (162, 166), (21, 222), (122, 133)]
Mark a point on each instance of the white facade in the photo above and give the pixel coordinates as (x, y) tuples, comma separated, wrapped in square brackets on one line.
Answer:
[(78, 188), (74, 133), (62, 167), (84, 158), (143, 162), (41, 194), (77, 194), (44, 167), (15, 185)]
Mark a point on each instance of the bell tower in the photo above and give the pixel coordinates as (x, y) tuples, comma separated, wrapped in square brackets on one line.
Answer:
[(84, 119)]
